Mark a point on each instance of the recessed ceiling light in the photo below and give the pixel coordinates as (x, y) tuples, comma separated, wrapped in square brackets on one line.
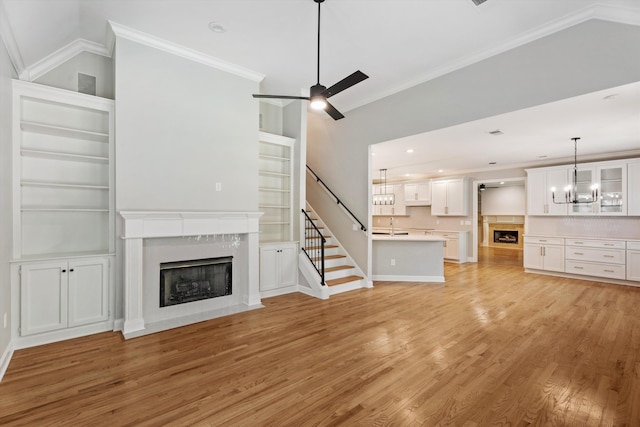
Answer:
[(216, 28), (501, 182), (410, 150), (440, 171), (373, 154), (407, 174)]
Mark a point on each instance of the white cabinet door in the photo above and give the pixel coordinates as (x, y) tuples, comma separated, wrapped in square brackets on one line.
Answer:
[(533, 256), (417, 194), (269, 268), (278, 265), (544, 257), (612, 185), (456, 197), (88, 291), (438, 197), (452, 249), (43, 297), (633, 188), (288, 265), (633, 265), (536, 193), (553, 258)]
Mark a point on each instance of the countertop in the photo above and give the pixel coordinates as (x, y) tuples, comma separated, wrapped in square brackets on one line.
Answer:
[(409, 238), (563, 236)]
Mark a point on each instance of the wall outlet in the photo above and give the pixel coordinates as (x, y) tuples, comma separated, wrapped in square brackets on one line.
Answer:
[(393, 261), (218, 186), (461, 222), (437, 221), (377, 220), (355, 227)]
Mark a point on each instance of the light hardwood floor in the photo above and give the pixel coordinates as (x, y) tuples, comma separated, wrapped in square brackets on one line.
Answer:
[(493, 346)]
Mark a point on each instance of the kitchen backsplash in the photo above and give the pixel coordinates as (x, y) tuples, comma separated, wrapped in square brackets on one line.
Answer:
[(611, 227), (420, 217)]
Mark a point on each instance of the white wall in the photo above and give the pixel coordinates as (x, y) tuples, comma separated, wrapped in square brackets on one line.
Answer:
[(65, 76), (585, 58), (508, 200), (6, 74), (182, 127)]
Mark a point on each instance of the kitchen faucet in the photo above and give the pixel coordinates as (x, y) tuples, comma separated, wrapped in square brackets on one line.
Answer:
[(391, 223)]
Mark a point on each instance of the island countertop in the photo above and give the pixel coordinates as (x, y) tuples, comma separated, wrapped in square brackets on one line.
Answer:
[(409, 237)]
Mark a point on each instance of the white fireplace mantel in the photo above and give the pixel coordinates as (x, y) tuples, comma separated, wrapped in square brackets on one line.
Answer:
[(140, 225)]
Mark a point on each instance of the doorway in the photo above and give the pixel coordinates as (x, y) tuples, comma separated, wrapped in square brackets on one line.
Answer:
[(498, 221)]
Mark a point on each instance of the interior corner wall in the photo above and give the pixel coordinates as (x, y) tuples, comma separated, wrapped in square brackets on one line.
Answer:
[(508, 200), (585, 58), (7, 73), (182, 127), (65, 76)]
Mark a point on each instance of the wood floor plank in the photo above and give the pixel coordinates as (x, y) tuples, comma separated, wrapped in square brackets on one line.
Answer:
[(494, 345)]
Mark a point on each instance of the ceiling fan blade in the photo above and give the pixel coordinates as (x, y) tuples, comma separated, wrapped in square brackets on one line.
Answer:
[(331, 110), (345, 83), (280, 96)]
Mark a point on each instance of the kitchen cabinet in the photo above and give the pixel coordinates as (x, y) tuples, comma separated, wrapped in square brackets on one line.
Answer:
[(278, 265), (633, 188), (455, 245), (544, 253), (633, 261), (63, 294), (601, 258), (610, 181), (417, 193), (449, 197), (539, 188)]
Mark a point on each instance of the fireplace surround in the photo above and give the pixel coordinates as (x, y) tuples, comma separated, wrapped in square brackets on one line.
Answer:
[(142, 231)]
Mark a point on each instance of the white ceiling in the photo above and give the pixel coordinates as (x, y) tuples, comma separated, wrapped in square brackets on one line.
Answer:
[(398, 43)]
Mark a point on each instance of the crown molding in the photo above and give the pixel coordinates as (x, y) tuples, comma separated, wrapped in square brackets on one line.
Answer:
[(62, 55), (601, 11), (10, 42), (184, 52)]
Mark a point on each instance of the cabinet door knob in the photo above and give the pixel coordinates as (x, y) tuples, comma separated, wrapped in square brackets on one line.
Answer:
[(71, 269), (64, 270)]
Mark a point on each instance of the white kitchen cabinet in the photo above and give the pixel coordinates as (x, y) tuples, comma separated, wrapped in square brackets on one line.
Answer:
[(633, 188), (540, 183), (633, 261), (417, 193), (278, 265), (455, 245), (275, 173), (449, 197), (601, 258), (611, 183), (544, 253), (63, 294)]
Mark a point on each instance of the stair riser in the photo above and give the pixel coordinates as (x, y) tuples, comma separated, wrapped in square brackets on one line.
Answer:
[(340, 273), (345, 287)]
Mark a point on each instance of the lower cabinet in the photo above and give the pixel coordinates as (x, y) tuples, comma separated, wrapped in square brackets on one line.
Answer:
[(278, 265), (63, 294), (455, 247), (600, 258), (544, 253), (633, 261)]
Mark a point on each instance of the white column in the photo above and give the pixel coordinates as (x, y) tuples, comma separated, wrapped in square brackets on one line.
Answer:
[(133, 316), (252, 296)]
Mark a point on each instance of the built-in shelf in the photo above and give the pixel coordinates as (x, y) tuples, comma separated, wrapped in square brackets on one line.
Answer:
[(274, 190), (63, 156), (274, 222), (278, 158), (273, 207), (27, 126), (27, 209), (267, 173), (63, 185)]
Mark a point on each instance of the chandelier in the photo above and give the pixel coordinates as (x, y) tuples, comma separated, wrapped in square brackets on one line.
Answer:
[(571, 191), (384, 198)]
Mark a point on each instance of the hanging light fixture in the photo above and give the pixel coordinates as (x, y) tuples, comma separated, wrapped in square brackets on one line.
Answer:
[(571, 191), (384, 198)]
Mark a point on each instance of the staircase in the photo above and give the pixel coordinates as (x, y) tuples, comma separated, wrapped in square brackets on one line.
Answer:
[(341, 273)]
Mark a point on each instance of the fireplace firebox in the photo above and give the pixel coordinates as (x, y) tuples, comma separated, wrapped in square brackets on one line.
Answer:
[(505, 236), (187, 281)]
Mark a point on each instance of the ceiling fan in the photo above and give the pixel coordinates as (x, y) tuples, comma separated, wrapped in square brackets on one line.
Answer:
[(318, 93)]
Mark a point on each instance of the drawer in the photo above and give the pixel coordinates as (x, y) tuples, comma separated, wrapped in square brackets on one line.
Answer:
[(633, 246), (448, 235), (544, 240), (611, 271), (592, 254), (610, 244)]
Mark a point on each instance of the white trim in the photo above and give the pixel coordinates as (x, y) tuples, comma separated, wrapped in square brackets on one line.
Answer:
[(10, 42), (184, 52), (62, 55), (35, 340), (392, 278), (585, 277), (118, 325), (280, 291), (312, 293), (5, 359), (600, 11)]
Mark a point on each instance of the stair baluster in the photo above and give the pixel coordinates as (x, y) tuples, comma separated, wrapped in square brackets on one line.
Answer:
[(314, 243)]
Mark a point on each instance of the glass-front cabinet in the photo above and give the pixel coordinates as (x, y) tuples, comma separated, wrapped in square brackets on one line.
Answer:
[(606, 183)]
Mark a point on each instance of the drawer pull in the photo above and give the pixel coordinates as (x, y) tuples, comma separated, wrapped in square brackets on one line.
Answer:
[(542, 240), (608, 256), (578, 253), (578, 268), (578, 243), (609, 271), (608, 244)]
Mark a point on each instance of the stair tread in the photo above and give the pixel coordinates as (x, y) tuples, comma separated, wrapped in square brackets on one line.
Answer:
[(338, 268), (342, 280), (318, 247)]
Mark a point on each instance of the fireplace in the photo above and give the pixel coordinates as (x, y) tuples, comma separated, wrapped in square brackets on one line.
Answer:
[(187, 281), (505, 236)]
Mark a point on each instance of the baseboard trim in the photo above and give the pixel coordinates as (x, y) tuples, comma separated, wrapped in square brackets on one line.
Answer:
[(581, 277), (280, 291), (312, 293), (5, 359), (392, 278)]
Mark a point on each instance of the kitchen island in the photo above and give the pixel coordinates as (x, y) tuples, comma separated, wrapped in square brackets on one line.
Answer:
[(408, 257)]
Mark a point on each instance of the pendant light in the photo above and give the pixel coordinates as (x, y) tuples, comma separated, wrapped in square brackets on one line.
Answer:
[(571, 191), (384, 198)]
